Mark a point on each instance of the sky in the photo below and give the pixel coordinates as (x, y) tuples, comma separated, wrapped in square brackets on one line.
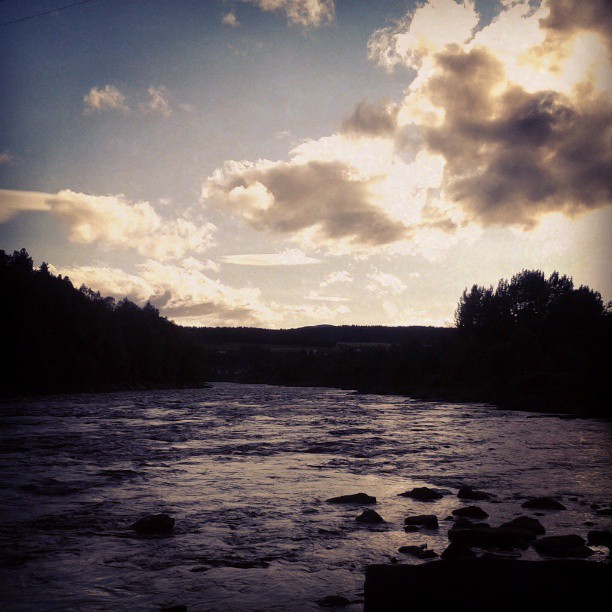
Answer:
[(280, 163)]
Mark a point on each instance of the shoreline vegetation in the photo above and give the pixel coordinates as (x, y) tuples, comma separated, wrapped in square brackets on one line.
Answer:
[(532, 343)]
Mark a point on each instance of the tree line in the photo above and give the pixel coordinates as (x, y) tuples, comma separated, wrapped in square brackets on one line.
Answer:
[(57, 338)]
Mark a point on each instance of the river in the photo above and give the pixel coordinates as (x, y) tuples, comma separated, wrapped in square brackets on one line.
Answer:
[(245, 470)]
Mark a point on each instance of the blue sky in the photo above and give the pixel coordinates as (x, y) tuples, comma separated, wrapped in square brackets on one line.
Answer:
[(293, 162)]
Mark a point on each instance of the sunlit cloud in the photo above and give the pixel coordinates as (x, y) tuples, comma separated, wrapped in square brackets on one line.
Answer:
[(384, 283), (114, 222), (158, 101), (107, 98), (13, 203), (337, 277), (289, 257), (304, 13), (230, 19), (318, 297)]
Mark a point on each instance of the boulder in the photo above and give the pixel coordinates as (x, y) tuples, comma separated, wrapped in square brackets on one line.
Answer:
[(531, 527), (482, 585), (600, 538), (470, 512), (414, 551), (355, 498), (489, 537), (430, 521), (543, 503), (411, 528), (370, 517), (604, 512), (458, 551), (473, 494), (332, 601), (429, 554), (424, 494), (562, 546), (154, 524)]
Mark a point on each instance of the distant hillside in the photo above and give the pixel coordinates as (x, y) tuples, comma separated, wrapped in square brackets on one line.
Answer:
[(319, 336)]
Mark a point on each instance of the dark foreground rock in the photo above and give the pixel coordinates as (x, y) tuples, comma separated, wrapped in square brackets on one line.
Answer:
[(355, 498), (598, 537), (334, 601), (154, 524), (473, 512), (543, 503), (473, 494), (424, 494), (430, 521), (370, 517), (481, 585), (458, 551), (563, 546), (530, 527), (490, 537)]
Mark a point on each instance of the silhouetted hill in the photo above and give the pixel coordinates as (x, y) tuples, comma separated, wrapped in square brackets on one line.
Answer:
[(319, 336)]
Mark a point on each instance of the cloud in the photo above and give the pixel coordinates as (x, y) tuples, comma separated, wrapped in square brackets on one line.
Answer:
[(340, 276), (512, 155), (373, 119), (386, 284), (317, 297), (6, 157), (520, 118), (229, 19), (182, 291), (426, 30), (327, 197), (13, 203), (114, 222), (304, 13), (158, 102), (290, 257), (107, 98)]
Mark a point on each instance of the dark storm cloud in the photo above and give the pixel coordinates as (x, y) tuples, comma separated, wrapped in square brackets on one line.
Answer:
[(378, 119), (570, 16), (514, 155), (321, 195)]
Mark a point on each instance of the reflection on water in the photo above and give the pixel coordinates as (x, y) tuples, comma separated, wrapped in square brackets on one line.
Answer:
[(245, 471)]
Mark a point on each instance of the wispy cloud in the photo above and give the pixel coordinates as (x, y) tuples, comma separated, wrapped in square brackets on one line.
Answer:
[(109, 98), (290, 257), (384, 283), (338, 277)]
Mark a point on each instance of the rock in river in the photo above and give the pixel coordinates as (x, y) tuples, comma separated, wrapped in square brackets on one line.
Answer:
[(458, 551), (562, 546), (532, 527), (430, 521), (371, 517), (470, 512), (424, 494), (154, 524), (490, 537), (355, 498), (482, 585), (473, 494), (600, 538), (333, 601), (543, 503)]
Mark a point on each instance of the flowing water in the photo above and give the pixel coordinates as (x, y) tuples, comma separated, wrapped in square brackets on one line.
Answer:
[(245, 470)]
